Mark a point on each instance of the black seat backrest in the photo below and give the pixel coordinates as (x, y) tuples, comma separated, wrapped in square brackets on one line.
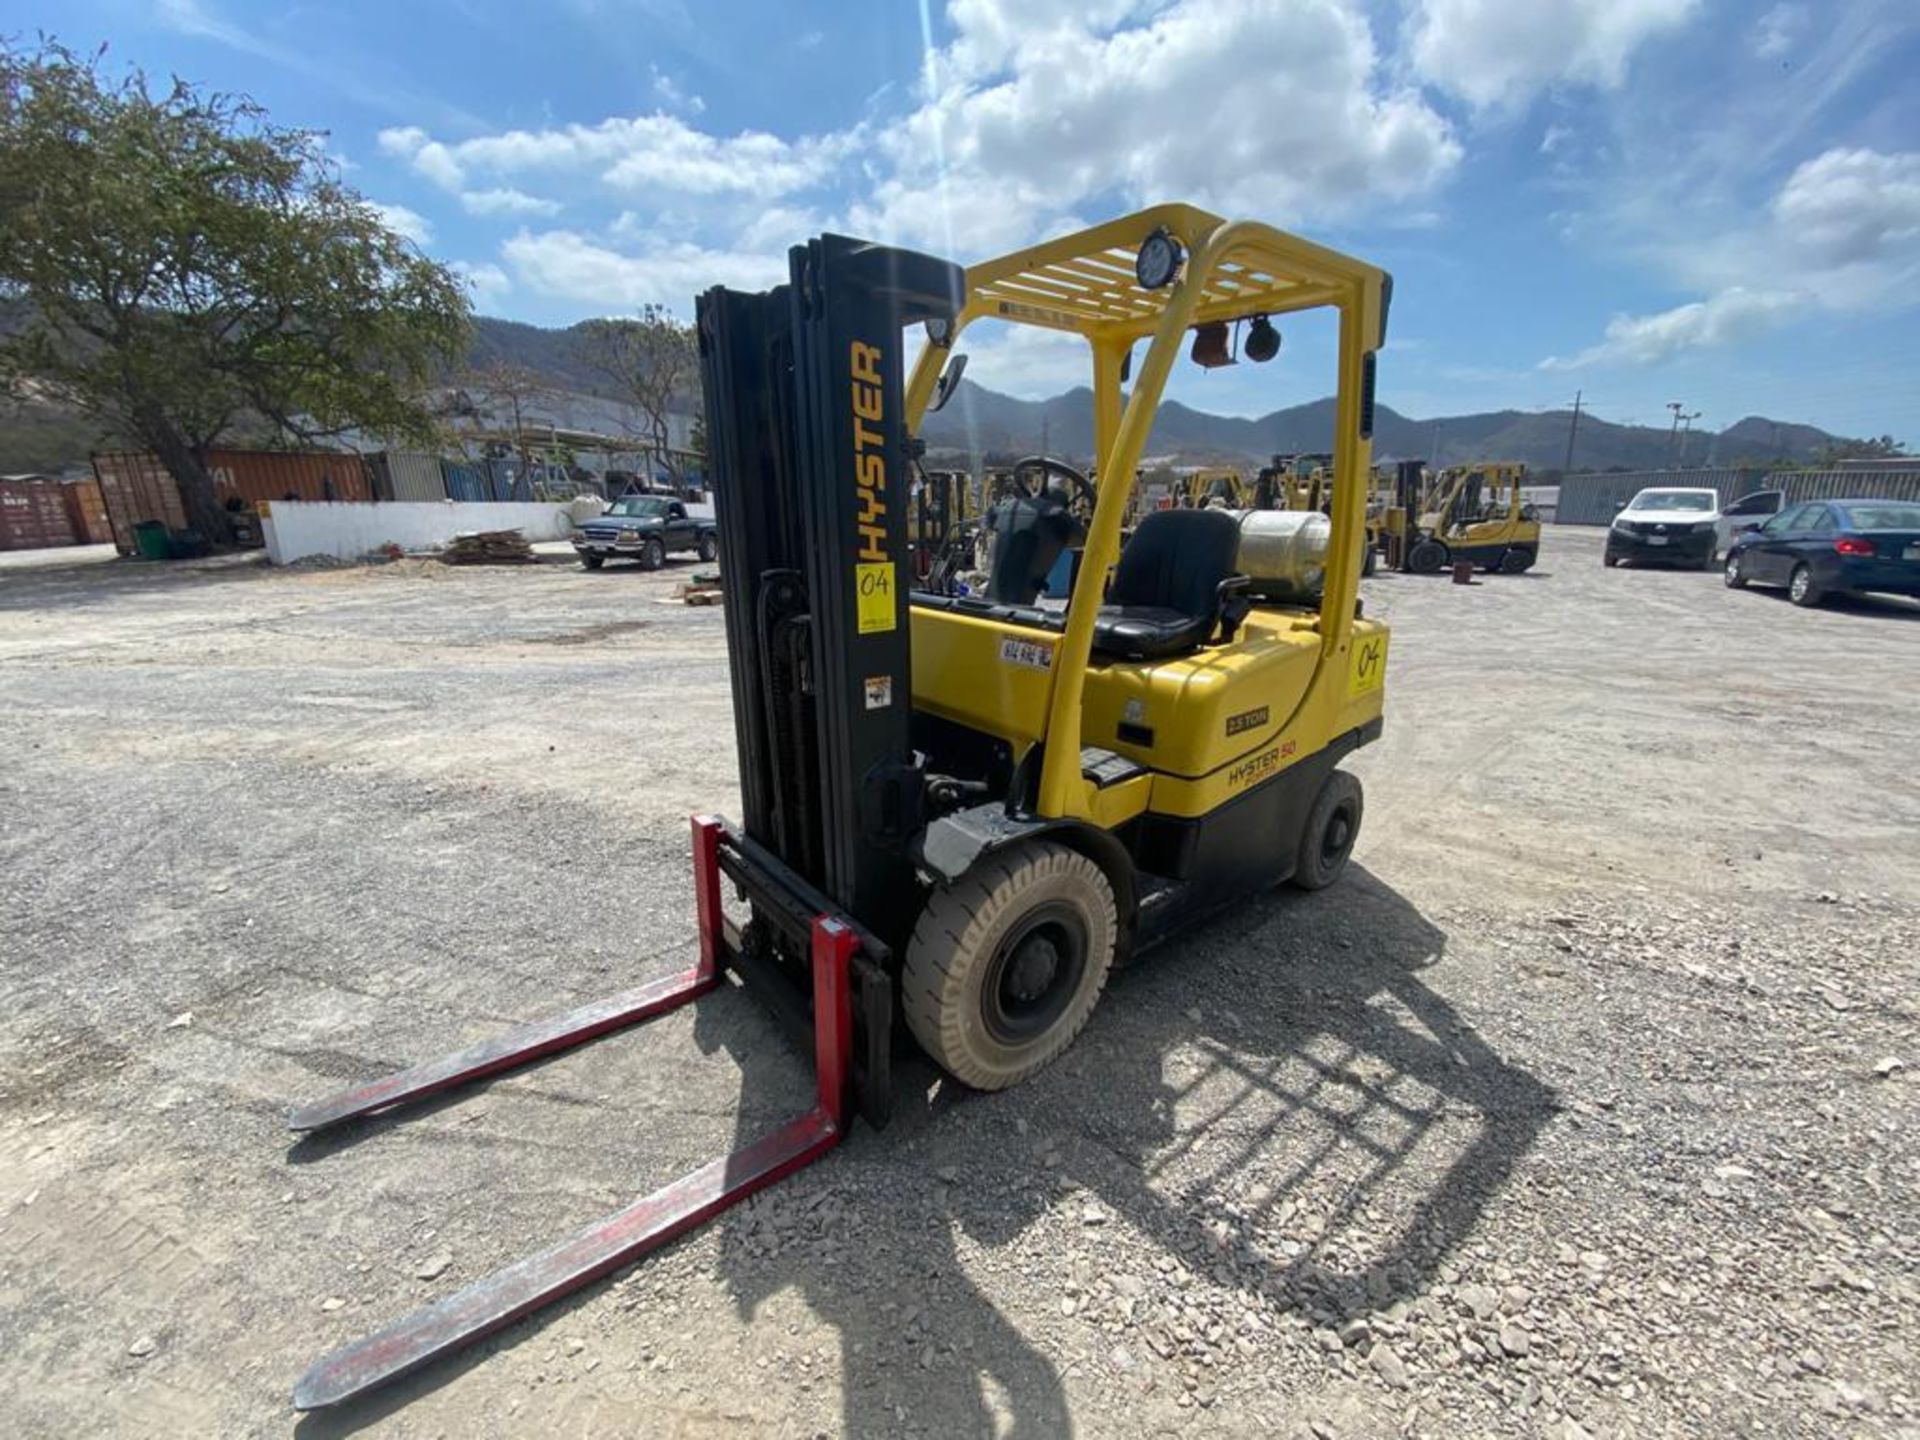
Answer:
[(1028, 536), (1176, 561)]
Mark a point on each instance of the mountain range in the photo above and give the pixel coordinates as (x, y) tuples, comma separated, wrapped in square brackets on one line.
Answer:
[(982, 421)]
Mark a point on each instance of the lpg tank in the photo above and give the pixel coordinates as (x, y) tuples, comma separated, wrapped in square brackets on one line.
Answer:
[(1284, 553)]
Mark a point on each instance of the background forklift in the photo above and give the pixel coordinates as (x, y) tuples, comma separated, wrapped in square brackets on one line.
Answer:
[(1474, 513), (962, 811)]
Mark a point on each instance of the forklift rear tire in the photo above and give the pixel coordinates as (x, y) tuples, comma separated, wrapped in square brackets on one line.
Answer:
[(1326, 841), (1007, 962), (1516, 562)]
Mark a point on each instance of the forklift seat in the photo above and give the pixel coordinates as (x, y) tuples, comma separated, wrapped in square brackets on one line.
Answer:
[(1175, 582)]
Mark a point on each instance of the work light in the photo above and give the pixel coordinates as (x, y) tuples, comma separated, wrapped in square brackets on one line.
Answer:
[(1263, 341), (1158, 261)]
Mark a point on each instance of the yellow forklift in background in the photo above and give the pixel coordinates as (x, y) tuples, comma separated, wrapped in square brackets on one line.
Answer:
[(1218, 490), (961, 811), (1476, 513)]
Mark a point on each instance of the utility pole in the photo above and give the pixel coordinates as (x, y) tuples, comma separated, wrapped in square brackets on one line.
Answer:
[(1686, 429), (1673, 431), (1573, 429)]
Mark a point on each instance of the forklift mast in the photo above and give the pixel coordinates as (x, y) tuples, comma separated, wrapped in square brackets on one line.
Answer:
[(806, 420)]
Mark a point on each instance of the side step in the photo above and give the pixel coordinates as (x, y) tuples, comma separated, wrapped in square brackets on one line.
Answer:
[(605, 1246)]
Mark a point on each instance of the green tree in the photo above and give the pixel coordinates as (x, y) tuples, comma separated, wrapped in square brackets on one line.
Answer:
[(650, 363), (182, 267), (1874, 447)]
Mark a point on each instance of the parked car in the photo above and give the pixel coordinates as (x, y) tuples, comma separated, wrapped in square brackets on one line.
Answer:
[(1832, 547), (1749, 512), (1672, 525), (646, 528)]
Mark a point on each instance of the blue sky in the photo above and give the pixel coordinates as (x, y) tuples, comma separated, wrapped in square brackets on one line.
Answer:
[(1711, 201)]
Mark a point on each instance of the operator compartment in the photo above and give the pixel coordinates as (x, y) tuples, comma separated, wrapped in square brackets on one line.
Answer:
[(1208, 642)]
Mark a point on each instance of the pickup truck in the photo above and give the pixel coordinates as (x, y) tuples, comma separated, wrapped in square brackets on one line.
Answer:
[(646, 528)]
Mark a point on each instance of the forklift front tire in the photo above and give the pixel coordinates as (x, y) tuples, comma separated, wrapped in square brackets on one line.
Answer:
[(1326, 841), (1007, 962), (1427, 557)]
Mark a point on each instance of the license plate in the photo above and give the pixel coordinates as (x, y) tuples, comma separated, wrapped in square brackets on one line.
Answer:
[(1656, 540)]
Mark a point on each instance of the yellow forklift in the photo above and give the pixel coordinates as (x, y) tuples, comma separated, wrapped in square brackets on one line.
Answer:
[(961, 811), (1476, 513), (1217, 490)]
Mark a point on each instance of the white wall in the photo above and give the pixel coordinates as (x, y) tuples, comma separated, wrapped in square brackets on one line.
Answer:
[(295, 529)]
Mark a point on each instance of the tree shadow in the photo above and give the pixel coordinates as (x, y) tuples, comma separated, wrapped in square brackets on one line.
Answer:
[(94, 582)]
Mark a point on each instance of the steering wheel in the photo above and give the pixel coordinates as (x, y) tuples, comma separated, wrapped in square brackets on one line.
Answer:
[(1047, 465)]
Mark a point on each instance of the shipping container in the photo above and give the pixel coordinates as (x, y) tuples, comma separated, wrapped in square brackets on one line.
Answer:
[(464, 480), (507, 480), (137, 487), (33, 515), (406, 475), (87, 510), (256, 475)]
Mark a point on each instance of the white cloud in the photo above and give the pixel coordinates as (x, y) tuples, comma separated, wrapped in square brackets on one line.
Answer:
[(408, 224), (428, 156), (1504, 52), (1843, 231), (644, 153), (1732, 315), (1847, 208), (1025, 359), (487, 282), (667, 91), (1779, 31), (566, 265), (506, 202), (1041, 109)]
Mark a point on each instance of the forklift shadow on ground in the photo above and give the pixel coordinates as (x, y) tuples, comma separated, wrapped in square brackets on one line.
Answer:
[(1322, 1079)]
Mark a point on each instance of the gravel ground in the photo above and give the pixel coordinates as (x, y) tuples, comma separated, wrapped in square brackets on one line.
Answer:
[(1584, 1106)]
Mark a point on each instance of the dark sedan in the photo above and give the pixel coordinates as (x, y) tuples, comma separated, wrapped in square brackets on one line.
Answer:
[(1832, 547)]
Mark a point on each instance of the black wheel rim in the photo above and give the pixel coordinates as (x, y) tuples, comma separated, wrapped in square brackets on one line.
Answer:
[(1337, 838), (1035, 972)]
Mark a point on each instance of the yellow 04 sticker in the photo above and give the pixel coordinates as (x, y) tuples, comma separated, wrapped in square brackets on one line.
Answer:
[(1369, 668), (873, 581)]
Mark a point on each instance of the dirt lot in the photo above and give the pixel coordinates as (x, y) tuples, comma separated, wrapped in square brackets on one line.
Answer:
[(1585, 1105)]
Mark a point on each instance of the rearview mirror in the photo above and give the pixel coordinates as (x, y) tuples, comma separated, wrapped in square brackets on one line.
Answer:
[(948, 382)]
